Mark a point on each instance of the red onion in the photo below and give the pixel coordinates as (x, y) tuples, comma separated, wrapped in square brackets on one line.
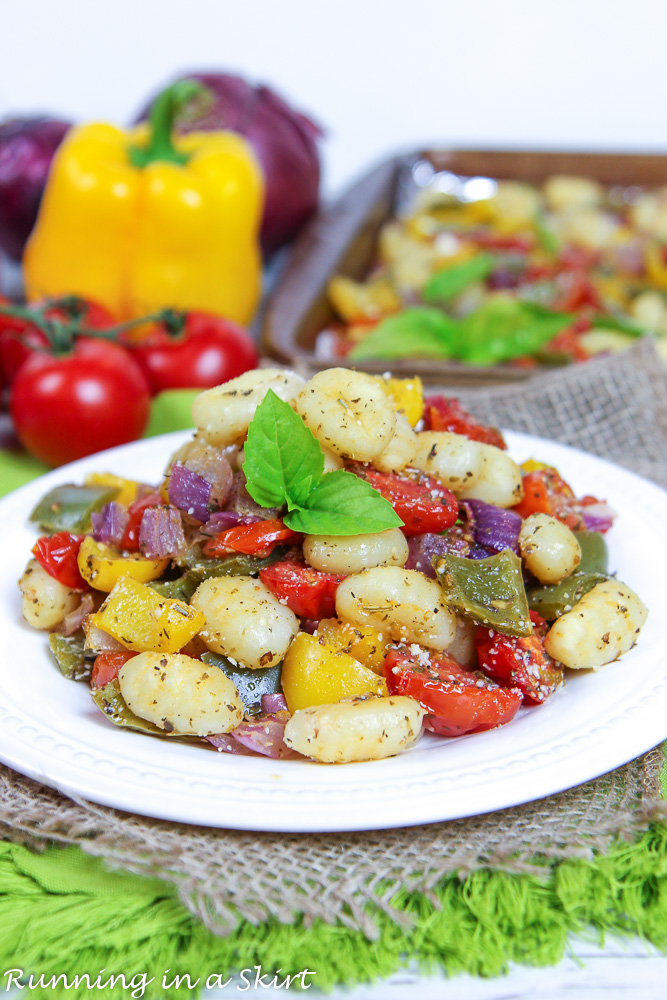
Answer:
[(240, 501), (189, 492), (110, 523), (73, 621), (273, 703), (27, 146), (265, 734), (161, 533), (423, 548), (598, 516), (284, 141), (223, 519), (225, 743), (493, 527), (100, 641)]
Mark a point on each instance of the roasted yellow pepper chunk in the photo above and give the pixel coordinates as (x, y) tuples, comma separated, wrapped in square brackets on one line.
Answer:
[(102, 567), (145, 621), (127, 488), (407, 395), (362, 642), (316, 673), (355, 300)]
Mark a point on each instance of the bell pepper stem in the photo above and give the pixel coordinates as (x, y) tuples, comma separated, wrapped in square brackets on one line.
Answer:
[(163, 113)]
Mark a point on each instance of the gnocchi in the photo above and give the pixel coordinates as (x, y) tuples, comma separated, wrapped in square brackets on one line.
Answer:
[(548, 548), (402, 603), (453, 459), (45, 601), (179, 694), (244, 621), (355, 729), (352, 553), (222, 415)]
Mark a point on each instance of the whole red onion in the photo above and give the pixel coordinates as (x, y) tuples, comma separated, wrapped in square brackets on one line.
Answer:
[(284, 141), (27, 146)]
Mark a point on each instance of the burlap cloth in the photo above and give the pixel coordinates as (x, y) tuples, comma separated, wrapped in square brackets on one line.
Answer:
[(616, 408)]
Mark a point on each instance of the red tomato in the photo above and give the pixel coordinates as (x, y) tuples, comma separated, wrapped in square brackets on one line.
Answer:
[(258, 539), (70, 405), (575, 290), (57, 554), (519, 661), (19, 337), (307, 592), (107, 667), (210, 350), (495, 241), (442, 413), (130, 540), (424, 505), (457, 700), (545, 492)]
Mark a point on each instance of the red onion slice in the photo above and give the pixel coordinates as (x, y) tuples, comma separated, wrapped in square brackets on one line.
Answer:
[(493, 527), (190, 492), (265, 734), (225, 743), (110, 523), (161, 533), (73, 621), (100, 641), (273, 703), (598, 516)]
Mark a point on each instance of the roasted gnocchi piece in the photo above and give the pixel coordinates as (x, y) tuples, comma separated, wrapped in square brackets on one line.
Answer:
[(348, 412), (179, 694), (401, 603), (244, 621), (222, 415), (548, 548), (601, 627), (453, 459), (352, 553), (499, 479), (356, 729), (45, 601)]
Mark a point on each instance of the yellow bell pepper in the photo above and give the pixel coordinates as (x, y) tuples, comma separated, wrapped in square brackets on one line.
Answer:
[(407, 394), (145, 621), (363, 642), (127, 488), (315, 672), (144, 220), (102, 567)]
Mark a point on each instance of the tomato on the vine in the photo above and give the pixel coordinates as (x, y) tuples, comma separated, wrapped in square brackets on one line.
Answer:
[(456, 700), (19, 337), (191, 350), (68, 405)]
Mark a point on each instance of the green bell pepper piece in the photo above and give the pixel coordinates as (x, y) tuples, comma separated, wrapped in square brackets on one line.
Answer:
[(68, 508), (68, 653), (251, 684), (490, 591), (553, 600)]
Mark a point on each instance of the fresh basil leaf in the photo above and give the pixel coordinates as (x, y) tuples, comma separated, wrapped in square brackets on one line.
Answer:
[(450, 281), (282, 456), (343, 504), (413, 333), (502, 329)]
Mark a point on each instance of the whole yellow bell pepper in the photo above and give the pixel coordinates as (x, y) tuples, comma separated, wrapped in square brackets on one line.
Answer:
[(144, 220)]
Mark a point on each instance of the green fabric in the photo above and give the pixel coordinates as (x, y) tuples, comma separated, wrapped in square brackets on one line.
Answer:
[(63, 913), (132, 925)]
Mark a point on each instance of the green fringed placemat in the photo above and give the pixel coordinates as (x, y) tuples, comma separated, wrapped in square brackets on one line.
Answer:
[(470, 895)]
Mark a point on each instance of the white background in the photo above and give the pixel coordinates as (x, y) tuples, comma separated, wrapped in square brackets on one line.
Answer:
[(379, 74)]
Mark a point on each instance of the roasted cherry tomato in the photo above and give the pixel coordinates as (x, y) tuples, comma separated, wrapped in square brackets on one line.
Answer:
[(307, 592), (443, 413), (208, 350), (69, 405), (258, 539), (546, 492), (57, 554), (423, 504), (519, 662), (457, 700), (19, 337), (107, 667)]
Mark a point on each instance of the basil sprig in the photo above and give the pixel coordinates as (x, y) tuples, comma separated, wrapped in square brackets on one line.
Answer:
[(284, 464)]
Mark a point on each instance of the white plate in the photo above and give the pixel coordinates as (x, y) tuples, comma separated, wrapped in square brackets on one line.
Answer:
[(51, 730)]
